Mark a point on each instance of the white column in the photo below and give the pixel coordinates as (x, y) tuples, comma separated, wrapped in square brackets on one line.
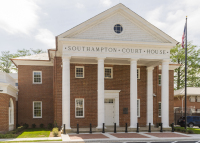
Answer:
[(100, 92), (133, 93), (165, 94), (66, 92), (150, 95)]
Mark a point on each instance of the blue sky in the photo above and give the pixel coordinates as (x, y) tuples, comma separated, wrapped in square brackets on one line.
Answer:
[(35, 23)]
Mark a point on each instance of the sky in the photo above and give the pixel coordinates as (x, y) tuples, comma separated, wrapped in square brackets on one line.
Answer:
[(33, 24)]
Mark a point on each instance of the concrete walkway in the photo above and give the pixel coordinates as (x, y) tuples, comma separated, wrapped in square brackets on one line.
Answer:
[(129, 137), (117, 137)]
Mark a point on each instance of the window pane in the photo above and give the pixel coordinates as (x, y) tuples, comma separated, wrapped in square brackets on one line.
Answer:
[(79, 72), (37, 109), (108, 72), (79, 108)]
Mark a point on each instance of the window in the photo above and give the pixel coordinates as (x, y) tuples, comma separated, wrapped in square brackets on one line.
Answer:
[(37, 109), (11, 112), (192, 99), (108, 72), (198, 110), (37, 77), (79, 71), (138, 73), (108, 101), (16, 84), (138, 107), (159, 109), (198, 98), (118, 28), (159, 79), (79, 108)]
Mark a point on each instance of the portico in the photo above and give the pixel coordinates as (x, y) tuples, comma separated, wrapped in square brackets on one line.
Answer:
[(134, 54)]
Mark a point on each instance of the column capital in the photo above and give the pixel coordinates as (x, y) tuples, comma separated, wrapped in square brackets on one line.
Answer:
[(66, 57), (133, 59), (100, 58), (150, 68), (166, 60)]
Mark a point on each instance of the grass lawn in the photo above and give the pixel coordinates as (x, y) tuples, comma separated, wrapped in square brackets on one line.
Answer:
[(195, 130), (34, 133), (30, 141)]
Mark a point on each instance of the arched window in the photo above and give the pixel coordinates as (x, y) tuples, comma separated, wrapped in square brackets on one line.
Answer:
[(11, 112)]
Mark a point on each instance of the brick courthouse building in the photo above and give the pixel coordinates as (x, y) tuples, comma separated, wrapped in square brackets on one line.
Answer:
[(106, 70)]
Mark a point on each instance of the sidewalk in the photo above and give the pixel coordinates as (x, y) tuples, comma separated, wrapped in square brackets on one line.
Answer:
[(132, 136), (119, 137)]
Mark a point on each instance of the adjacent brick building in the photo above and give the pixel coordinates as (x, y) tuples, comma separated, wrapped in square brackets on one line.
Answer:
[(105, 70)]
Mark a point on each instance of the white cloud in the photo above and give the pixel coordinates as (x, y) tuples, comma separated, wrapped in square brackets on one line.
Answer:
[(106, 3), (45, 36), (18, 16), (80, 5)]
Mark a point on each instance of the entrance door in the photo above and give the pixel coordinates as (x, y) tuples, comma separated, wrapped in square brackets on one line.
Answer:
[(109, 112)]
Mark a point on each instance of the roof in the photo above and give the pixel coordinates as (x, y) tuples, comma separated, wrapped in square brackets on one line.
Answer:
[(42, 56), (190, 91)]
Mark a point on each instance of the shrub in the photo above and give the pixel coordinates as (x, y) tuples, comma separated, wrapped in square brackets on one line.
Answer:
[(17, 125), (55, 132), (50, 126), (41, 125), (183, 130), (7, 136), (25, 125), (190, 132), (177, 129), (33, 125)]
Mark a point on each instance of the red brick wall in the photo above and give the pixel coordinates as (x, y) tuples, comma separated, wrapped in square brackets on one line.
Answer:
[(4, 108), (178, 102), (29, 92), (87, 88)]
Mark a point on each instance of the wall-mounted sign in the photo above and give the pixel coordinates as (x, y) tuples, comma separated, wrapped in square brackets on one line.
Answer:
[(116, 50)]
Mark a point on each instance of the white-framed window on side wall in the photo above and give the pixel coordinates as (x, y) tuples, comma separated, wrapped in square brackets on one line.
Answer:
[(11, 112), (138, 73), (138, 107), (159, 79), (79, 108), (79, 72), (159, 109), (37, 77), (37, 109), (108, 72)]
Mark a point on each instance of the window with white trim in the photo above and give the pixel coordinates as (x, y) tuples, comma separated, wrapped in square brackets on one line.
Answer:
[(37, 77), (159, 79), (108, 72), (198, 98), (37, 109), (79, 71), (79, 107), (138, 73), (159, 109), (192, 99), (11, 112), (138, 107)]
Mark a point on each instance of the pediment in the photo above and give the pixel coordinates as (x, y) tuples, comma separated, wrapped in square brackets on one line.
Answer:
[(135, 28)]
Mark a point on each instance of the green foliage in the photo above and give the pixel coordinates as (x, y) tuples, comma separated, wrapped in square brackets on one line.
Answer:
[(41, 125), (25, 125), (55, 132), (6, 64), (33, 125), (193, 65), (7, 135), (183, 130), (50, 126), (190, 131)]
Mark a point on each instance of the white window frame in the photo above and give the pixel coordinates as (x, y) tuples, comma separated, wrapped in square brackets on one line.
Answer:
[(41, 78), (138, 73), (159, 79), (192, 99), (138, 106), (83, 108), (11, 112), (159, 109), (198, 98), (83, 71), (41, 109), (111, 72)]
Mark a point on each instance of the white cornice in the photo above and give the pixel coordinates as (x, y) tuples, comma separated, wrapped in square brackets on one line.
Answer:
[(32, 62), (8, 89)]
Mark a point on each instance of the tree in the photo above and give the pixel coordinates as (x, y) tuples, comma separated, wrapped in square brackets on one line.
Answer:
[(193, 65), (5, 63)]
